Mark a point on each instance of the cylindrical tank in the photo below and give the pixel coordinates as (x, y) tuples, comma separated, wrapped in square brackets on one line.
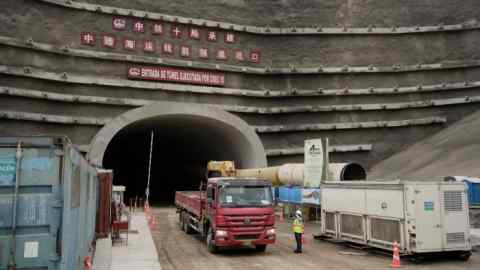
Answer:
[(293, 174)]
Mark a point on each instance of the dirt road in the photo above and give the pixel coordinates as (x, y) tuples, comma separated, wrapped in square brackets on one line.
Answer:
[(178, 250)]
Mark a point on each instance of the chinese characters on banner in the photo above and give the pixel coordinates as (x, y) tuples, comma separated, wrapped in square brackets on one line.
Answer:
[(176, 75), (165, 46)]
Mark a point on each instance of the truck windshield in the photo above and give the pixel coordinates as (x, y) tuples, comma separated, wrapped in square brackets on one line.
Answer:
[(245, 196)]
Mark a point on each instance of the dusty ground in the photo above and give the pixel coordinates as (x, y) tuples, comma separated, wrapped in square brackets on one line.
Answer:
[(177, 250)]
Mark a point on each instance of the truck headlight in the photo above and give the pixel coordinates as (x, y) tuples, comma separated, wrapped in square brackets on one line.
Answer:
[(221, 233), (271, 232)]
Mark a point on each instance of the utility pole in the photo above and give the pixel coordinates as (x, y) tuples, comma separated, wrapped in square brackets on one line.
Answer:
[(147, 191)]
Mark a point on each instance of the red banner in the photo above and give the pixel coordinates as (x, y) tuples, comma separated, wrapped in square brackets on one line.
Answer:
[(176, 75)]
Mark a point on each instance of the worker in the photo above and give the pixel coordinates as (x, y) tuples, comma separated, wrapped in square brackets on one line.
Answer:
[(298, 230)]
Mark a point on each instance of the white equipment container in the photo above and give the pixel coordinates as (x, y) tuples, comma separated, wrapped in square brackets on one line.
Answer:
[(423, 217)]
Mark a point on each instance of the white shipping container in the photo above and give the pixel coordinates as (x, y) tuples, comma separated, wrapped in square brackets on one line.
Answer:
[(423, 217)]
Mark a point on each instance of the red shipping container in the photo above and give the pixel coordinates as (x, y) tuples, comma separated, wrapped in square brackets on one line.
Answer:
[(103, 225)]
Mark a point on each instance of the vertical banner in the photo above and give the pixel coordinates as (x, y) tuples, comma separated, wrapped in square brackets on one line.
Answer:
[(316, 162)]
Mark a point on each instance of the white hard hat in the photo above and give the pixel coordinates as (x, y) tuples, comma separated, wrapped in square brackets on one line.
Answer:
[(298, 213)]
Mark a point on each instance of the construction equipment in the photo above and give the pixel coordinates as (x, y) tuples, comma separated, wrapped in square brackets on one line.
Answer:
[(287, 174), (230, 212), (423, 217)]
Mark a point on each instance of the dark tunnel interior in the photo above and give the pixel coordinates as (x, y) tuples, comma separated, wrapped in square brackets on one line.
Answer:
[(182, 146)]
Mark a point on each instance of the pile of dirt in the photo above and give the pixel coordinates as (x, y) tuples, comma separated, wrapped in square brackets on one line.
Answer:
[(452, 151)]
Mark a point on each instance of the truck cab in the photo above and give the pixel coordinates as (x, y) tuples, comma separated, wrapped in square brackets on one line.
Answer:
[(230, 212), (240, 212)]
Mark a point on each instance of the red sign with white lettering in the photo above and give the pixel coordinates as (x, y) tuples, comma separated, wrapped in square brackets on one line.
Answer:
[(138, 26), (87, 38), (108, 41), (157, 29), (176, 75), (119, 23)]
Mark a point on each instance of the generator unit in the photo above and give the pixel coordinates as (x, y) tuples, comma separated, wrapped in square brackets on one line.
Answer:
[(423, 217)]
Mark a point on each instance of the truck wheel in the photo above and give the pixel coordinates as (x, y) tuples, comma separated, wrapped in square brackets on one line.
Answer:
[(180, 220), (210, 245), (261, 248), (186, 225)]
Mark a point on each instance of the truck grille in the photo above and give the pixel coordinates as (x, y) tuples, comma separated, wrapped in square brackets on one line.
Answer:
[(247, 236), (260, 220), (453, 201), (455, 238)]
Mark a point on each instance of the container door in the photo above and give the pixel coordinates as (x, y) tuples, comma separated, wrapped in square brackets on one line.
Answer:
[(38, 211), (428, 220)]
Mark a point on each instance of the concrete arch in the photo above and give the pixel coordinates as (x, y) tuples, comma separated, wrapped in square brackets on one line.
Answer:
[(243, 140)]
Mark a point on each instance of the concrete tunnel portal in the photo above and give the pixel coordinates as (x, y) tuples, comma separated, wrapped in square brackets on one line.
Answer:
[(186, 137)]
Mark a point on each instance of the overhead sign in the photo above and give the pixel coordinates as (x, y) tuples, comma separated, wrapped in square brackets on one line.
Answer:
[(316, 162), (176, 75)]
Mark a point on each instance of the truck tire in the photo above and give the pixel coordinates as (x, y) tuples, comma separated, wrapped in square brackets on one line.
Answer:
[(212, 248), (186, 225), (180, 220), (261, 248)]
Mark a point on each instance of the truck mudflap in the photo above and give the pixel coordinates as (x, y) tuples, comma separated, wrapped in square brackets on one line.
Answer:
[(234, 238)]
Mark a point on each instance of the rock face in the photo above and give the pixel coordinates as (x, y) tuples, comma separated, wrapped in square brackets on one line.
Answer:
[(374, 76)]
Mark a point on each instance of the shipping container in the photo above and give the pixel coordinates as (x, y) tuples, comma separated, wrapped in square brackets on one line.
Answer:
[(473, 184), (48, 201)]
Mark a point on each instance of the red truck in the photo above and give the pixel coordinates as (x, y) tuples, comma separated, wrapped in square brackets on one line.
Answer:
[(230, 212)]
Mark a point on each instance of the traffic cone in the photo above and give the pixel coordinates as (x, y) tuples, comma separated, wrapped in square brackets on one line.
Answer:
[(152, 223), (303, 239), (282, 218), (396, 256)]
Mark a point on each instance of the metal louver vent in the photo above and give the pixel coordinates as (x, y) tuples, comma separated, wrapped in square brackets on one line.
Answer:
[(330, 221), (455, 238), (453, 200)]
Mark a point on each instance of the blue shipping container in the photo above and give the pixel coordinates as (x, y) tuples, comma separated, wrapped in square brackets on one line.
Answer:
[(47, 210), (473, 190)]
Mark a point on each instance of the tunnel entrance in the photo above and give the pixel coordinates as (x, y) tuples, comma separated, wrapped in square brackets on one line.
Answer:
[(186, 137)]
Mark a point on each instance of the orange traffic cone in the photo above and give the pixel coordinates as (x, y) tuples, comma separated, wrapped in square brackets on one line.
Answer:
[(152, 223), (396, 256)]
